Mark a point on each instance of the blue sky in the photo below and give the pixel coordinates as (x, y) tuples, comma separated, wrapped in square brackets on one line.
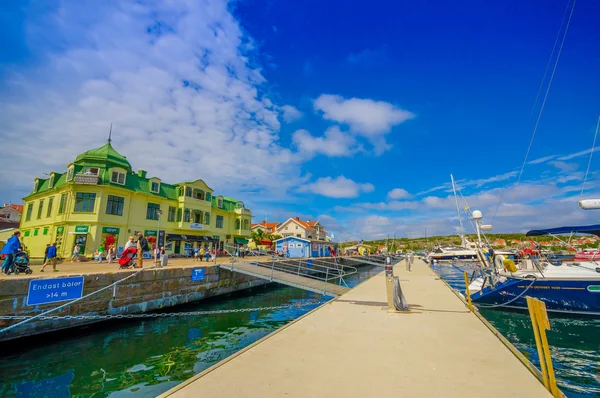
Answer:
[(351, 112)]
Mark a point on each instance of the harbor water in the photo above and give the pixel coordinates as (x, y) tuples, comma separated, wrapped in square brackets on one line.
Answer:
[(146, 357), (574, 341)]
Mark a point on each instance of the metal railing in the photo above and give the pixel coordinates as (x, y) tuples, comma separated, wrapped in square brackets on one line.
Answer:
[(318, 268)]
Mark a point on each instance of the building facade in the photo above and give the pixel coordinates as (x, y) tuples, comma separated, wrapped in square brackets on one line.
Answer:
[(267, 227), (100, 200), (11, 212), (296, 247), (311, 230)]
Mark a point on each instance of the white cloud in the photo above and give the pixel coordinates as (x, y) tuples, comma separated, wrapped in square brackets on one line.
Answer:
[(578, 154), (541, 160), (176, 81), (340, 187), (290, 113), (564, 166), (398, 193), (333, 143), (366, 117)]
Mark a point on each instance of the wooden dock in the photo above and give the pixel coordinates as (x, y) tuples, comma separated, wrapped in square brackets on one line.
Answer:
[(286, 278), (352, 347)]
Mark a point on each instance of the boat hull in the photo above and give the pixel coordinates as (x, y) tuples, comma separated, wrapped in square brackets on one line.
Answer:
[(451, 257), (559, 295)]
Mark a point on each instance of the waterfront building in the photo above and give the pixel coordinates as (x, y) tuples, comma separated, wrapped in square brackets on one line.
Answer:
[(268, 228), (99, 200), (311, 230), (297, 247), (11, 212)]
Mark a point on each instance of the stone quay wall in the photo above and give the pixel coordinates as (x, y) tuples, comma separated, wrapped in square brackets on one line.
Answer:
[(149, 290)]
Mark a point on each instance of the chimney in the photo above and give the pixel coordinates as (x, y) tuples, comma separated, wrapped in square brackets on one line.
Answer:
[(142, 173), (297, 218)]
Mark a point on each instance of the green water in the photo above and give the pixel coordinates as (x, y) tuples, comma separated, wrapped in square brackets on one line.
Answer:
[(143, 358), (574, 342)]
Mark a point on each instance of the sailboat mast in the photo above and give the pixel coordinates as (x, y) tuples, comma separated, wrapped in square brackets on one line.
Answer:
[(462, 231)]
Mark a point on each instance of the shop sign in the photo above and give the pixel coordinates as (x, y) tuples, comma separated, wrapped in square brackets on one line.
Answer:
[(110, 230), (60, 230), (82, 229), (195, 225), (149, 233)]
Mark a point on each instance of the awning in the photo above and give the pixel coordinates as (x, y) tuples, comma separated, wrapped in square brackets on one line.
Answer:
[(189, 238), (241, 241), (586, 229)]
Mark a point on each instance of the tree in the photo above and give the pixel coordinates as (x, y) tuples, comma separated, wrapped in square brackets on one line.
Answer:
[(258, 235)]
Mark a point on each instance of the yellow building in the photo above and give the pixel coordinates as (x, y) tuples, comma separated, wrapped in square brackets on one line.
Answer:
[(100, 199)]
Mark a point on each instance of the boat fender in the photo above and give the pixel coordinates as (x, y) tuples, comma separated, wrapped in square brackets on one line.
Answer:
[(598, 270), (509, 265), (499, 261)]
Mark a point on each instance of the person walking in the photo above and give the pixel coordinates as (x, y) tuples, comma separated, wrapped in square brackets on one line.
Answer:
[(130, 243), (196, 254), (12, 247), (142, 246), (410, 260), (50, 258), (207, 255), (45, 255), (75, 255), (110, 254)]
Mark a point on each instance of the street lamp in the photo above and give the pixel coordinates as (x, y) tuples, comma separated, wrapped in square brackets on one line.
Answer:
[(158, 213)]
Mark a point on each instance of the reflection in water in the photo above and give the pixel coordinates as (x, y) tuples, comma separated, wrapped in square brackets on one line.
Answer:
[(574, 342), (149, 356)]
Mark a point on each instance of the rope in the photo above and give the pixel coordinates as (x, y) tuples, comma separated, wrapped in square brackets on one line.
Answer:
[(510, 301), (6, 329), (590, 160)]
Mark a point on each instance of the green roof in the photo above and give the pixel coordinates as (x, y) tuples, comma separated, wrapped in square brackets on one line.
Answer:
[(104, 154)]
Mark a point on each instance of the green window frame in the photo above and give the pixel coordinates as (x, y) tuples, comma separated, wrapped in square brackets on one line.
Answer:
[(29, 211), (115, 205), (186, 215), (152, 211), (46, 229), (219, 222), (40, 209), (208, 197), (50, 203), (35, 232), (155, 187), (85, 202), (207, 218), (237, 224), (179, 214), (26, 233), (62, 204), (172, 214)]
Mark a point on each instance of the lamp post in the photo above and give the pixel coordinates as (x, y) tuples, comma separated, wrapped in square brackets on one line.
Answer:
[(158, 213)]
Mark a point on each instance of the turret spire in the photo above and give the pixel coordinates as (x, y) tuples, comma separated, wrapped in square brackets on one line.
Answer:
[(110, 134)]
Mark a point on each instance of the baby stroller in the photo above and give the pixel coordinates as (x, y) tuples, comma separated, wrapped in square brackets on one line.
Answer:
[(126, 259), (21, 264)]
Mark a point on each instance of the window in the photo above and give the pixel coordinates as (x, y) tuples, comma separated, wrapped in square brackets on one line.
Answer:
[(155, 187), (219, 202), (296, 227), (199, 194), (198, 217), (219, 222), (50, 203), (151, 211), (29, 211), (179, 213), (26, 233), (40, 208), (70, 173), (115, 205), (186, 215), (188, 192), (172, 212), (298, 235), (84, 202), (91, 171), (63, 203), (35, 232), (237, 224), (207, 218), (208, 196), (51, 182), (36, 183), (180, 190), (46, 229), (239, 205), (118, 178)]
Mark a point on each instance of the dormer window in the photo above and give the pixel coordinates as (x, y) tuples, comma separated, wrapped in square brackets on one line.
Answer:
[(208, 197), (239, 205), (118, 177), (155, 186), (220, 202), (36, 184), (70, 173), (51, 182), (91, 171)]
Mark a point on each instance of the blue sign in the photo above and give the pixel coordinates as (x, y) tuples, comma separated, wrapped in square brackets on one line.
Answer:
[(55, 387), (45, 291), (197, 274), (309, 263)]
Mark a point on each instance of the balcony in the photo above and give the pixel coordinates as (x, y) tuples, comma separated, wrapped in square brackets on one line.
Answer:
[(242, 211), (86, 179)]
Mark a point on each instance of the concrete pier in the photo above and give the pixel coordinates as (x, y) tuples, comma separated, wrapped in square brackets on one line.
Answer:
[(352, 347)]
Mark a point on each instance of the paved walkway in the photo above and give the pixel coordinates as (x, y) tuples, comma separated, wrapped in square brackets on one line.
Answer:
[(90, 267), (352, 347)]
